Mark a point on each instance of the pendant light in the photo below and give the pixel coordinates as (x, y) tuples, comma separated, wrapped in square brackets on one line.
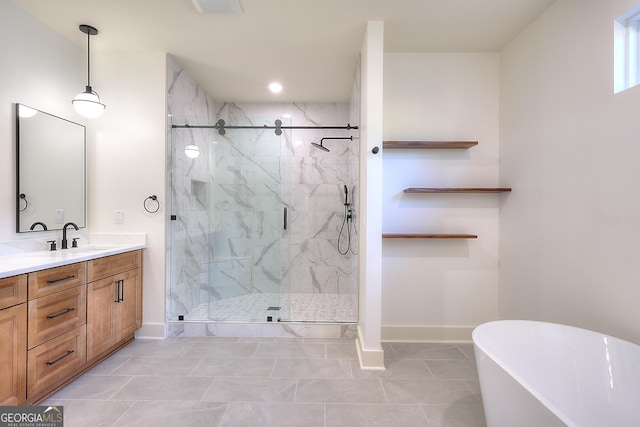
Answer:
[(88, 103)]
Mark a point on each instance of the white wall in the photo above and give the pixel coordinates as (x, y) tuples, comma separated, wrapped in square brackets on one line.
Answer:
[(440, 289), (127, 163), (569, 245), (40, 69)]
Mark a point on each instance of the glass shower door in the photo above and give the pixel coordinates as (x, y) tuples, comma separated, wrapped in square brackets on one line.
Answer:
[(249, 207), (228, 243)]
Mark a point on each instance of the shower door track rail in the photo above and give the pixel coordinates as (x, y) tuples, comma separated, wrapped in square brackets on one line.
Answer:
[(222, 127)]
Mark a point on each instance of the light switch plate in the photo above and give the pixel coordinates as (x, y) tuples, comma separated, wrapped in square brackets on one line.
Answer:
[(59, 216), (119, 217)]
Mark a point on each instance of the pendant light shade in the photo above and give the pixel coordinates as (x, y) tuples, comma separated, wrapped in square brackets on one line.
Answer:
[(88, 103)]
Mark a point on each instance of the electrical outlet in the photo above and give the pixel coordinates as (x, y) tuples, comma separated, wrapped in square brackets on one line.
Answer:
[(119, 217), (59, 216)]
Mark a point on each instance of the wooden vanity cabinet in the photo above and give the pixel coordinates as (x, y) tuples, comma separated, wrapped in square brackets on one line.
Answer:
[(13, 339), (56, 323), (114, 302)]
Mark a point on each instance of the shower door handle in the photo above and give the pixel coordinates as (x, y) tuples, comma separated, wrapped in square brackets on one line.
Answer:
[(285, 217)]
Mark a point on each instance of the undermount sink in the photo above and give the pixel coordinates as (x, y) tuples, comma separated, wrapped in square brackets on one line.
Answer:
[(79, 251)]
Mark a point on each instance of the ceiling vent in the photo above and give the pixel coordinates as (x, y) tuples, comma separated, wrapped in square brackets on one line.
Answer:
[(217, 6)]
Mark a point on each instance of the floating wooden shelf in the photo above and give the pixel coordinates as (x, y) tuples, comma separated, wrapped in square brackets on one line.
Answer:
[(429, 145), (428, 236), (458, 190)]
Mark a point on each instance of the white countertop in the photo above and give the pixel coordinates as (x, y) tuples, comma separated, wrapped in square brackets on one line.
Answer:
[(18, 257)]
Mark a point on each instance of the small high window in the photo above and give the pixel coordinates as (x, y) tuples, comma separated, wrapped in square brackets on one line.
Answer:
[(626, 49)]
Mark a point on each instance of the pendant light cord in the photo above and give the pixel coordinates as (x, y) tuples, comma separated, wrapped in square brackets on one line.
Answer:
[(88, 59)]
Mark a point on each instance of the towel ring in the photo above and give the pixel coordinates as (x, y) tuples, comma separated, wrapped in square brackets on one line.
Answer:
[(153, 198), (26, 203)]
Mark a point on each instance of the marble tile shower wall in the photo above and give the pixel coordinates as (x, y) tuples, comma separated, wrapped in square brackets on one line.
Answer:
[(188, 246), (308, 181)]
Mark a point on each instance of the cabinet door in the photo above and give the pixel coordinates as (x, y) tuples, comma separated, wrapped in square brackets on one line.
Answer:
[(101, 316), (130, 306), (13, 355)]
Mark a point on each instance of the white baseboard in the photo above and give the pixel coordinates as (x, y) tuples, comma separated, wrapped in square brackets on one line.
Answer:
[(427, 333), (152, 331), (370, 360)]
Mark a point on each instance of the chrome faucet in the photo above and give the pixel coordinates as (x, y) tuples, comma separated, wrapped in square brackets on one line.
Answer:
[(63, 244), (35, 224)]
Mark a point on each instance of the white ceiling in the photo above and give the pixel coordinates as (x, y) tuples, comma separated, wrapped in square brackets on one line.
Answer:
[(310, 46)]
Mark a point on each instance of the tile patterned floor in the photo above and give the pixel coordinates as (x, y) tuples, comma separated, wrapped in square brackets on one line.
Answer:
[(246, 382)]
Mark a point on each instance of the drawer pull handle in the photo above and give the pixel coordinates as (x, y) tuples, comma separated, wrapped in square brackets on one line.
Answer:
[(71, 276), (120, 290), (61, 357), (68, 310)]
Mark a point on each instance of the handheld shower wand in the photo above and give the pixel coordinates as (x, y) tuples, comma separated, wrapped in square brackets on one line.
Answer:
[(347, 225)]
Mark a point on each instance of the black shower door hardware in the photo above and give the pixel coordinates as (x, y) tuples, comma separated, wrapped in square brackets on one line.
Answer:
[(222, 127), (285, 217)]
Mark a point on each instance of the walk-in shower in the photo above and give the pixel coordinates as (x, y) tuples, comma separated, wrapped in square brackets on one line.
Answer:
[(258, 216)]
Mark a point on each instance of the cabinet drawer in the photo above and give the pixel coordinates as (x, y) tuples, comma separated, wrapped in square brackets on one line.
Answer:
[(114, 264), (56, 279), (13, 291), (53, 362), (56, 314)]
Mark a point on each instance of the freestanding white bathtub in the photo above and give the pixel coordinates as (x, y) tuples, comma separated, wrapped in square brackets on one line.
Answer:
[(543, 375)]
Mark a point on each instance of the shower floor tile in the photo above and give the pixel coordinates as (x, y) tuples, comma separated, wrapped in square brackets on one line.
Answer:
[(293, 307)]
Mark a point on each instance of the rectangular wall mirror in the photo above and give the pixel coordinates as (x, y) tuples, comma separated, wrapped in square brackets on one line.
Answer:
[(50, 171)]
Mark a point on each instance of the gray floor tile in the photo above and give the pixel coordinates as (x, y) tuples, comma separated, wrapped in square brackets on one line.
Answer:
[(90, 413), (251, 414), (429, 392), (339, 415), (251, 389), (455, 415), (172, 414), (395, 368), (92, 387), (452, 369), (341, 351), (275, 381), (108, 365), (156, 348), (291, 350), (155, 366), (234, 367), (312, 368), (221, 349), (340, 391), (429, 351), (163, 388)]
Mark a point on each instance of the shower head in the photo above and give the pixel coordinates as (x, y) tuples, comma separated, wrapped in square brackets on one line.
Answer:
[(320, 146)]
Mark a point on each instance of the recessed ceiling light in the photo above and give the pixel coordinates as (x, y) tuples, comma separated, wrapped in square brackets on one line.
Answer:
[(275, 87), (217, 6)]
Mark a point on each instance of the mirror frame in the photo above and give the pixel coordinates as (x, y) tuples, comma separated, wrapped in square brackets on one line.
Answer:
[(20, 171)]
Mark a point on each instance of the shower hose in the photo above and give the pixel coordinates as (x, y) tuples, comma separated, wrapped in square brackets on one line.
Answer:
[(348, 223)]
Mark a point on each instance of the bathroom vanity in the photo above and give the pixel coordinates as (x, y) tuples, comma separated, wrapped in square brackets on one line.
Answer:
[(62, 313)]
